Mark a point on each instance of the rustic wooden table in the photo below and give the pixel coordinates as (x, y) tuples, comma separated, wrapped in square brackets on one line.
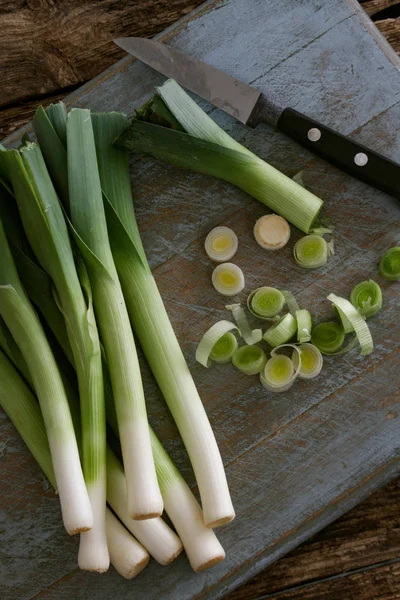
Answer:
[(50, 47)]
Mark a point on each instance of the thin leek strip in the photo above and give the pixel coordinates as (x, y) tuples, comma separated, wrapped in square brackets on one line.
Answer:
[(346, 324), (360, 327), (282, 331), (210, 338), (271, 232), (21, 406), (366, 296), (156, 111), (304, 325), (47, 232), (250, 360), (291, 302), (389, 265), (266, 302), (311, 251), (280, 372), (328, 337), (88, 219), (224, 348), (228, 279), (250, 336), (310, 361), (21, 320), (153, 328), (221, 244), (245, 170)]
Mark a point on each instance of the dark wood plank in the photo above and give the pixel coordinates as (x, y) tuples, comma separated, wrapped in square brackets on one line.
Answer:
[(372, 7), (391, 30)]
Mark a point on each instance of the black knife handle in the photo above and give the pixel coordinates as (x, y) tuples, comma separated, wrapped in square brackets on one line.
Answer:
[(341, 151)]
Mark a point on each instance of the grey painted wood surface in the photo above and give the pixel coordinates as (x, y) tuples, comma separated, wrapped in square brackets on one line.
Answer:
[(294, 462)]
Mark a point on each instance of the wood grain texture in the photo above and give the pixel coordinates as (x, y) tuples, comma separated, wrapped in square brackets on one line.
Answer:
[(391, 30), (296, 462), (372, 7)]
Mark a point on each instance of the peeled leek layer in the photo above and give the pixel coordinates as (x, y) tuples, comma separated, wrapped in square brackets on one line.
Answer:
[(389, 266), (366, 296), (250, 336)]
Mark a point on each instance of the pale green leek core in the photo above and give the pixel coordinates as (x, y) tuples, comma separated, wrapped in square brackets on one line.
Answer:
[(250, 336), (88, 219), (282, 331), (366, 296), (328, 337), (360, 327), (389, 265), (250, 360), (224, 348), (266, 302), (152, 325), (311, 251), (24, 325), (206, 148)]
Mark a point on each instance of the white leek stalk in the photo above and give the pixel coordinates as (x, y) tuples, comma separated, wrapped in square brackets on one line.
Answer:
[(128, 557)]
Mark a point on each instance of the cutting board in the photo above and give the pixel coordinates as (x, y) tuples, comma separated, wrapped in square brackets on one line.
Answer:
[(294, 461)]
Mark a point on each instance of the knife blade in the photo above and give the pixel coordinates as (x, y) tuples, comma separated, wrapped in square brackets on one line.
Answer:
[(251, 107)]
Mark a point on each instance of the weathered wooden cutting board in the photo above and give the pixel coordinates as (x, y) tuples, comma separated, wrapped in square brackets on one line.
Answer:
[(295, 461)]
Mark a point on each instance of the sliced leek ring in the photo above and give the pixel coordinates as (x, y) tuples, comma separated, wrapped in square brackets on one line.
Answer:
[(228, 279), (272, 232), (221, 244)]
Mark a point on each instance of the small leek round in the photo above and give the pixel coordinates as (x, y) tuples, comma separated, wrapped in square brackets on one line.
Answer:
[(272, 232), (310, 361), (389, 266), (249, 359), (266, 302), (280, 372), (366, 296), (250, 336), (360, 327), (228, 279), (311, 251), (328, 337), (224, 349), (221, 244), (210, 339), (304, 324), (282, 331)]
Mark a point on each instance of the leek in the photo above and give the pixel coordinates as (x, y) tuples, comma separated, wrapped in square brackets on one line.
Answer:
[(282, 331), (366, 296), (360, 327), (304, 324), (21, 320), (250, 360), (271, 232), (266, 302), (389, 265), (309, 360), (278, 374), (328, 337), (224, 348), (221, 244), (311, 251), (127, 556), (250, 336), (228, 279), (209, 340)]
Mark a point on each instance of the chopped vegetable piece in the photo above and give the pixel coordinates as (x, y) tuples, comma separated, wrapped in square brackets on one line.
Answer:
[(280, 372), (359, 325), (282, 331), (250, 336), (221, 244), (366, 296), (304, 324), (346, 324), (389, 266), (266, 302), (272, 232), (228, 279), (311, 251), (249, 359), (310, 361), (224, 348), (328, 337), (291, 302), (210, 338)]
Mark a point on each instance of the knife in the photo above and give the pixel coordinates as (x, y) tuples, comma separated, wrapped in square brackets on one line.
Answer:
[(249, 106)]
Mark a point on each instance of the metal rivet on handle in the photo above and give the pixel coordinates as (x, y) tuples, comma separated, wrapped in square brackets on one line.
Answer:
[(314, 134), (361, 159)]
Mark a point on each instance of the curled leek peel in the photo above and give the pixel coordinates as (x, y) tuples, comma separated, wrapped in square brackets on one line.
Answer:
[(228, 279), (366, 296), (311, 251), (310, 361), (389, 265), (221, 244), (272, 232), (328, 337), (266, 302), (304, 324), (224, 348), (282, 331), (346, 324), (249, 359), (280, 372), (291, 302), (360, 327), (210, 338), (250, 336)]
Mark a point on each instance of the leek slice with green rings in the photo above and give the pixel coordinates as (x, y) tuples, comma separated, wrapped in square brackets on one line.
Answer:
[(266, 302), (282, 331), (304, 324), (366, 296), (389, 265), (224, 348), (358, 322), (250, 336), (328, 337), (228, 279), (250, 360), (280, 371), (210, 338), (311, 251), (309, 360)]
